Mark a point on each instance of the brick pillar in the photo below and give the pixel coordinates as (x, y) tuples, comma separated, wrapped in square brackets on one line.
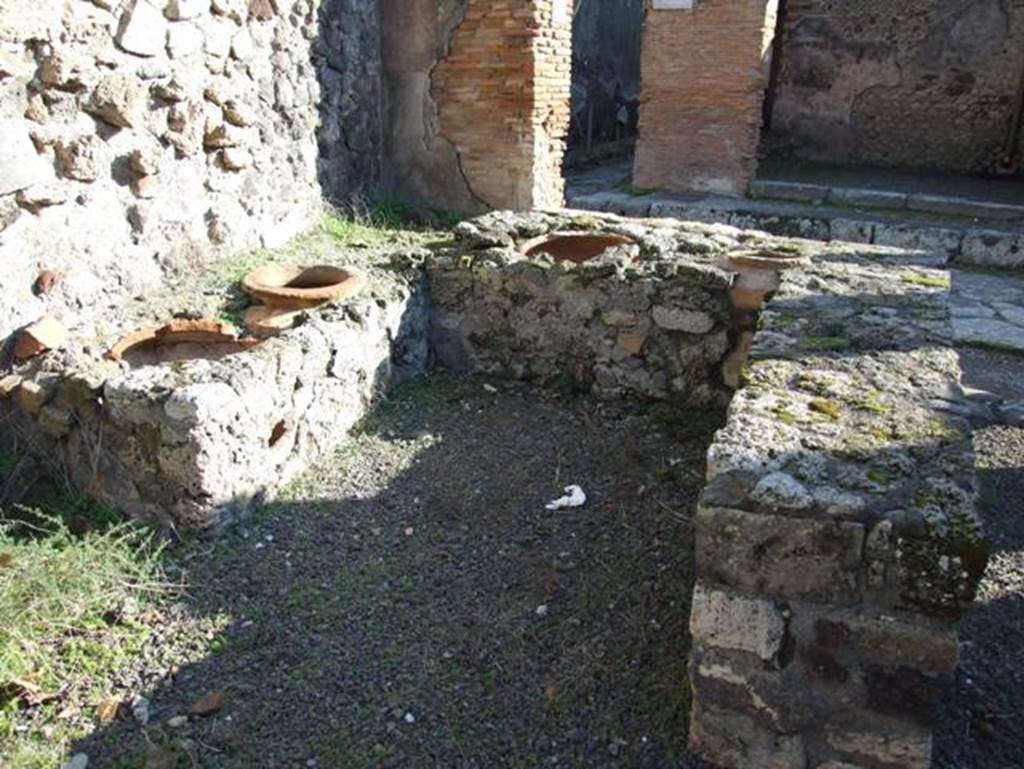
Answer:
[(503, 98), (704, 71)]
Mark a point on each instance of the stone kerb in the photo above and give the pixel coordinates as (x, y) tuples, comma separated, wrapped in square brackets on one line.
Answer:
[(836, 538), (651, 321)]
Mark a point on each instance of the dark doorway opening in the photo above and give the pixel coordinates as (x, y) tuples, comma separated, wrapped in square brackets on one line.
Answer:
[(606, 43)]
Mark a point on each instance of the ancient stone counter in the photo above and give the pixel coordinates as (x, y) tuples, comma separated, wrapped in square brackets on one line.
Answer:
[(194, 444), (649, 317), (837, 536)]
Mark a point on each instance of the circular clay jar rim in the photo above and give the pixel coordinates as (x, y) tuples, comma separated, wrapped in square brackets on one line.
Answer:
[(292, 286), (607, 241), (207, 332), (766, 259)]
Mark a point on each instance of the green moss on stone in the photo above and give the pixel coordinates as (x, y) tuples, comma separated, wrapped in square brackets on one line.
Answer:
[(926, 281), (826, 343), (828, 408)]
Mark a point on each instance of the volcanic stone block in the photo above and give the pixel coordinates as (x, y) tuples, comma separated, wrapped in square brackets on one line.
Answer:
[(739, 741), (781, 557), (731, 621)]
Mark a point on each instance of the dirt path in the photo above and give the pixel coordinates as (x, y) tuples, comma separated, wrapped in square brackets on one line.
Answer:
[(415, 605)]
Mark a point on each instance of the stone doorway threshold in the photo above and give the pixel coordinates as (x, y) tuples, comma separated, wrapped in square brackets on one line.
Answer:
[(985, 302), (918, 190)]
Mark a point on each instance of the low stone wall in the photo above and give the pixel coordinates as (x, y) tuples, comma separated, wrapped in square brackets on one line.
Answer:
[(836, 537), (195, 444), (653, 326)]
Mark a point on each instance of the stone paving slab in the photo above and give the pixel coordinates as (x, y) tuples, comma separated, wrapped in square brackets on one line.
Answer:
[(988, 309)]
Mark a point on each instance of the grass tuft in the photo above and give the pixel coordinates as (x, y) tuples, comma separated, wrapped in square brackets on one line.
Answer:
[(76, 589)]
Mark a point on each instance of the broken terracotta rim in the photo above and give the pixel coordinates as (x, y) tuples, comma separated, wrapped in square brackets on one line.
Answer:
[(578, 247), (766, 259), (294, 287), (264, 321), (180, 340)]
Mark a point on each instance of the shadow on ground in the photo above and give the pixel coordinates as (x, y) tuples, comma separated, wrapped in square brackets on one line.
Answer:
[(414, 604), (982, 721)]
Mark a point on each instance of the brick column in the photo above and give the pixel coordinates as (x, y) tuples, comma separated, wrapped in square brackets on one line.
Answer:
[(503, 98), (704, 71)]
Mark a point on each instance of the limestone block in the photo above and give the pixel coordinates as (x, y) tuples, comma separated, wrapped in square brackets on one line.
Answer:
[(20, 165), (242, 45), (185, 124), (218, 34), (146, 187), (37, 111), (70, 70), (143, 29), (688, 321), (239, 113), (179, 10), (633, 344), (235, 158), (938, 241), (732, 621), (83, 158), (119, 100), (21, 21), (45, 334), (227, 135), (779, 556), (184, 40), (236, 10), (147, 161), (878, 638), (42, 195)]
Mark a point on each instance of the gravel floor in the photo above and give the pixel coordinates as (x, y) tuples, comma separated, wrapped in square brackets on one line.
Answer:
[(982, 723), (414, 605)]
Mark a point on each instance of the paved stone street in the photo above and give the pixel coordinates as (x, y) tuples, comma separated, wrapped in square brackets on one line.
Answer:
[(988, 309)]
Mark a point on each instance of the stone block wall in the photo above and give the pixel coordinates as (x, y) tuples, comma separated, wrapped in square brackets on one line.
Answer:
[(647, 321), (197, 444), (502, 94), (925, 83), (837, 539), (142, 138), (703, 77)]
